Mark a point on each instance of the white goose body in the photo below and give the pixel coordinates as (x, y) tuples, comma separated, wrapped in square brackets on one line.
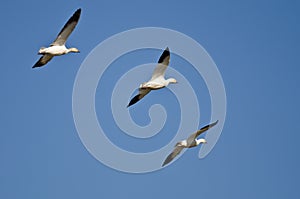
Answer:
[(57, 50), (54, 50), (192, 143), (157, 83)]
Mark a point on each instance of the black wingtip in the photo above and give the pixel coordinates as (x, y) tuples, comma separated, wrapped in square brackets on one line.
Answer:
[(76, 14), (37, 65), (213, 124), (163, 164), (78, 11), (134, 100), (167, 161), (205, 128), (165, 54)]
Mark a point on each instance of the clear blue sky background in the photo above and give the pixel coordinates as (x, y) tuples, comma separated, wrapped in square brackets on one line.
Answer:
[(255, 45)]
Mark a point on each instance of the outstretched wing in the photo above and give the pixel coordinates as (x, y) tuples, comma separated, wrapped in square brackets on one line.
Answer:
[(138, 97), (200, 131), (172, 155), (163, 63), (67, 29), (43, 60)]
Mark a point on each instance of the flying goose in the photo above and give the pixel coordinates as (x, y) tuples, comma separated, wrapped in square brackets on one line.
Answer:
[(189, 143), (157, 81), (58, 46)]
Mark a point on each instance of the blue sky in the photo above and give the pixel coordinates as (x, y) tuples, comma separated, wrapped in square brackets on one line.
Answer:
[(255, 46)]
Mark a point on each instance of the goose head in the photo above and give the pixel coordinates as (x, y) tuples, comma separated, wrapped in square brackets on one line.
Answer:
[(201, 141), (171, 81), (73, 50)]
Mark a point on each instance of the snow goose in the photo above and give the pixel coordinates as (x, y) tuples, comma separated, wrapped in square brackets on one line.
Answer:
[(157, 81), (58, 46), (192, 141)]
